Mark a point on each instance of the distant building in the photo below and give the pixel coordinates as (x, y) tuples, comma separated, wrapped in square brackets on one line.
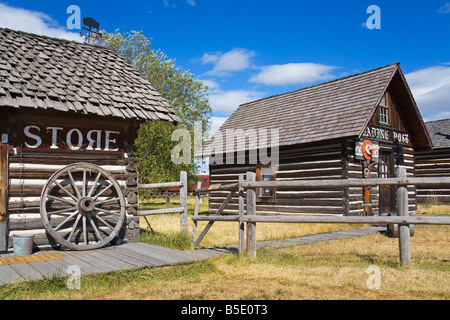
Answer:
[(435, 163)]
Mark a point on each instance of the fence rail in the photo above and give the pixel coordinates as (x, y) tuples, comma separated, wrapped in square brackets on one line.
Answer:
[(183, 209), (250, 218)]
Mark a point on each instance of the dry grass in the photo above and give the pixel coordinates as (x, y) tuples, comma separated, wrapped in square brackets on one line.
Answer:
[(329, 270)]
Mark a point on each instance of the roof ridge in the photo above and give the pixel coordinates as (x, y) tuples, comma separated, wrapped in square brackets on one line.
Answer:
[(58, 39), (322, 83), (448, 119)]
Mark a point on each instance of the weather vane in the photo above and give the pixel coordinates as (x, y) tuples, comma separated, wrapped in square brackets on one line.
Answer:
[(93, 29)]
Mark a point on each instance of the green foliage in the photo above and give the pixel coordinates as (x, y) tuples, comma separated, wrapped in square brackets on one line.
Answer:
[(188, 96)]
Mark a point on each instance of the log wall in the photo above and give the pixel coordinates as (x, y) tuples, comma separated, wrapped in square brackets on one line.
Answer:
[(435, 163), (332, 161), (30, 171)]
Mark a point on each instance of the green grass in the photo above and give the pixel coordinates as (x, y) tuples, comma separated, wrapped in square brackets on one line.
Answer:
[(171, 239)]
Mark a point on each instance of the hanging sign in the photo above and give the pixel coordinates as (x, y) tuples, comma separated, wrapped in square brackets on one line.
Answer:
[(367, 150)]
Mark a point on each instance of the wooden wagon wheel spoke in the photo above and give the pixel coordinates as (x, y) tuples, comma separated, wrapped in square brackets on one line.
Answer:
[(101, 219), (66, 220)]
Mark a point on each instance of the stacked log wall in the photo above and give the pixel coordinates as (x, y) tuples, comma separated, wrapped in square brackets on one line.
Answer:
[(30, 171), (435, 163)]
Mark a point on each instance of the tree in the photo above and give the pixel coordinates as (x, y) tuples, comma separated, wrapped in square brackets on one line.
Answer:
[(188, 96)]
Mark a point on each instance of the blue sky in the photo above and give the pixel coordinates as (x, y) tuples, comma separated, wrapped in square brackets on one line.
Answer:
[(247, 50)]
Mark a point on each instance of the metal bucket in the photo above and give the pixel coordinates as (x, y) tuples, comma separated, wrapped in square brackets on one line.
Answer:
[(23, 244)]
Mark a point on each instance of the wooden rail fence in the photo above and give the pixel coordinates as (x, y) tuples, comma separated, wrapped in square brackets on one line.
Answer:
[(182, 209), (247, 221)]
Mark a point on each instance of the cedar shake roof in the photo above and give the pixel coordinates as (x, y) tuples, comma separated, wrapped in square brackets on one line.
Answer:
[(440, 133), (48, 73), (336, 109)]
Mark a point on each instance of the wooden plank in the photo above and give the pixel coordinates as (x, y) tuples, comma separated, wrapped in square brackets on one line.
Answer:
[(161, 185), (196, 210), (8, 275), (349, 183), (180, 256), (251, 212), (241, 226), (403, 229), (87, 265), (429, 220), (218, 212), (184, 202), (154, 257), (161, 211)]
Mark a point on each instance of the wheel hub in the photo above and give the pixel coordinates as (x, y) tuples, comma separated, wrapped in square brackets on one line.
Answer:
[(86, 205)]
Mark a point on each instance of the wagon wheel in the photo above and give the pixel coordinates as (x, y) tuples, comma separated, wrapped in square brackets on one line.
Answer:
[(82, 207)]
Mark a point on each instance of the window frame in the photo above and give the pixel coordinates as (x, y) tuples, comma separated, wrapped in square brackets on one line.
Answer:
[(383, 110), (260, 195)]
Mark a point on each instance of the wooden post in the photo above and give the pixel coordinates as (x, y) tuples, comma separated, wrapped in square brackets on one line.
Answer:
[(367, 203), (403, 229), (241, 214), (196, 209), (4, 181), (184, 201), (251, 211)]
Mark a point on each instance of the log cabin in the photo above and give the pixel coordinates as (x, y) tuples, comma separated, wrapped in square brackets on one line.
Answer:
[(318, 132), (435, 162), (69, 114)]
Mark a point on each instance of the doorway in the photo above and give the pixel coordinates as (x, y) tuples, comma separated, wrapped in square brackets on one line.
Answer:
[(386, 198)]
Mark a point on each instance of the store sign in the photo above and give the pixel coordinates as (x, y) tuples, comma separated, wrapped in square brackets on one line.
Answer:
[(387, 135), (63, 137)]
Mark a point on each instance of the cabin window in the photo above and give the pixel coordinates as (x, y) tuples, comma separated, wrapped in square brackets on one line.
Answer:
[(265, 173), (383, 111)]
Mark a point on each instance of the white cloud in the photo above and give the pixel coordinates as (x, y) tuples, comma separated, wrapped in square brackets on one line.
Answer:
[(445, 8), (293, 73), (226, 101), (231, 61), (34, 22), (431, 90), (216, 123), (191, 3)]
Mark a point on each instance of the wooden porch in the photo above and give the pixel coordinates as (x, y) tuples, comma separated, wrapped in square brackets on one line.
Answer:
[(128, 256)]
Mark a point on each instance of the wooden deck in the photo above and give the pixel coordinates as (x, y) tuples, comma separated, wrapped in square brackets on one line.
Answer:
[(128, 256)]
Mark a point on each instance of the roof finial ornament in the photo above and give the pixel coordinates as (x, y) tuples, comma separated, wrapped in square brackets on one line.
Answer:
[(93, 29)]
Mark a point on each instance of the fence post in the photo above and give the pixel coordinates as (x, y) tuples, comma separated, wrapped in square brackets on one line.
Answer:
[(183, 201), (251, 210), (241, 214), (197, 208), (403, 229)]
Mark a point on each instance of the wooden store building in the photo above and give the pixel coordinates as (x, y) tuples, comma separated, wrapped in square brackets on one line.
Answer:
[(323, 131), (69, 113)]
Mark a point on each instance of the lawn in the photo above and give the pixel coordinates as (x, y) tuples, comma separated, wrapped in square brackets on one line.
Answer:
[(340, 269)]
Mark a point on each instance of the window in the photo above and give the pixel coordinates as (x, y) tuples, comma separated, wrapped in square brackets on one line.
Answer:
[(383, 110), (265, 173)]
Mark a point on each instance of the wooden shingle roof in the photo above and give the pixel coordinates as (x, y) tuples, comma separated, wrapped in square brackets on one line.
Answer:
[(47, 73), (331, 110), (439, 131)]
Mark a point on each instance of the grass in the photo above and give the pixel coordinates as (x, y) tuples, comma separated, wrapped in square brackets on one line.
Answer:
[(328, 270)]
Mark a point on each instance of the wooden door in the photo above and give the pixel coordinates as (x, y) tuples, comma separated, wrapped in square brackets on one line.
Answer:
[(386, 170)]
